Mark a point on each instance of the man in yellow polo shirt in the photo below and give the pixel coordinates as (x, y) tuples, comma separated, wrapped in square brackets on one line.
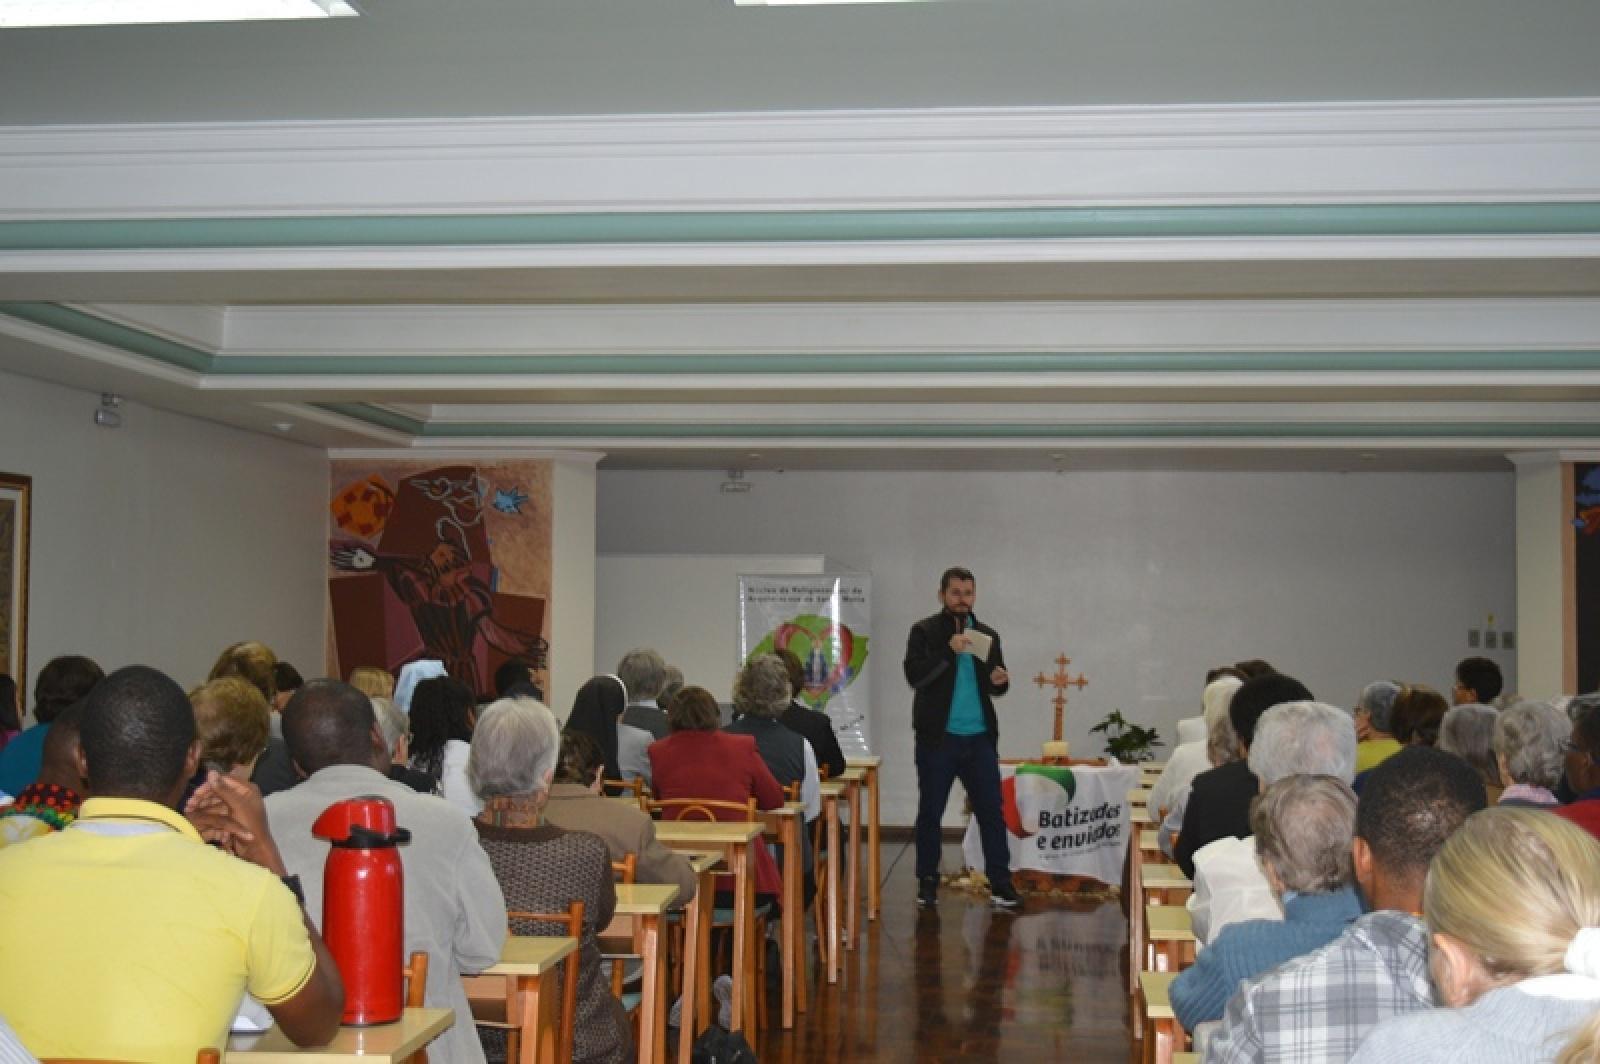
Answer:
[(124, 935)]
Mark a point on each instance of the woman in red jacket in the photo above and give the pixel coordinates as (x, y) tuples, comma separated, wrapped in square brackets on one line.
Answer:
[(698, 760)]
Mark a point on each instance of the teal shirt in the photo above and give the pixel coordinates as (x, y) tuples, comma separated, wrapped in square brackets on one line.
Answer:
[(966, 709)]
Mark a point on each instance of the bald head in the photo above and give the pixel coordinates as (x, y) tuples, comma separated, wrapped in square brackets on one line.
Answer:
[(331, 723)]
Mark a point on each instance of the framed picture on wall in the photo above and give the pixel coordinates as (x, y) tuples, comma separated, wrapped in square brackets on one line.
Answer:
[(15, 496)]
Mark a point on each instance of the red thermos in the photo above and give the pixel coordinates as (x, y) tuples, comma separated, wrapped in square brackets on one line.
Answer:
[(363, 906)]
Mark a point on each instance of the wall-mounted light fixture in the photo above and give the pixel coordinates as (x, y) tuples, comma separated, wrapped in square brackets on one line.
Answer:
[(108, 415)]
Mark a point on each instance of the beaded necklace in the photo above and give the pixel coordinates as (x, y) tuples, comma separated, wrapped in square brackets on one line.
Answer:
[(49, 802)]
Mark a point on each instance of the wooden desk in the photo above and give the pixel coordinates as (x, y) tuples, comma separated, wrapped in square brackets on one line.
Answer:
[(645, 907), (371, 1045), (1170, 937), (732, 840), (853, 780), (1139, 796), (527, 961), (1141, 817), (833, 792), (1164, 884), (869, 767), (1163, 1036)]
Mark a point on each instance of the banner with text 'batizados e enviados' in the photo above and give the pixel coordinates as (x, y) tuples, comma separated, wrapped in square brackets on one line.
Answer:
[(826, 622), (1068, 821)]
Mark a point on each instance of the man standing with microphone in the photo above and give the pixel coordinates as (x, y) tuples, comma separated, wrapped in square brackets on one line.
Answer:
[(954, 664)]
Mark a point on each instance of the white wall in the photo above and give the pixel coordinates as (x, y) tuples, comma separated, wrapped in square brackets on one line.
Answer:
[(164, 541), (1144, 579), (684, 605)]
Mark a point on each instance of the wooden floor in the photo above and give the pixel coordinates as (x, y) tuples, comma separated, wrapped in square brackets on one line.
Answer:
[(967, 984)]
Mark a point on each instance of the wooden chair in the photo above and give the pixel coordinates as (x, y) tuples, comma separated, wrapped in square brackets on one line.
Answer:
[(416, 973), (625, 871), (499, 1011), (619, 788)]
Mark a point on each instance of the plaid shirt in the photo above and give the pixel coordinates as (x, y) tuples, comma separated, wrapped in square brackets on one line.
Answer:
[(1317, 1008)]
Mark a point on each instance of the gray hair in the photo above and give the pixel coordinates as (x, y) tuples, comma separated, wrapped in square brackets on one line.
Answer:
[(1222, 742), (1468, 732), (1377, 701), (1216, 699), (642, 671), (391, 722), (1303, 825), (762, 687), (1304, 738), (1530, 736), (514, 749)]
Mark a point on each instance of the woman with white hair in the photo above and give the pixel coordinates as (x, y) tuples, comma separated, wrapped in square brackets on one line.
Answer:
[(1468, 732), (1512, 904), (1529, 748), (542, 868), (1218, 746), (1190, 757)]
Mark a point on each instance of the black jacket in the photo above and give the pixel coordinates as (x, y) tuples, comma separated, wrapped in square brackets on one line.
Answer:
[(1219, 807), (930, 668), (816, 728)]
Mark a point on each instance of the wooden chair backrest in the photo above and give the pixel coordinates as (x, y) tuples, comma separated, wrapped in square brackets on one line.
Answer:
[(416, 973), (571, 923), (699, 808), (618, 788), (627, 869), (791, 793)]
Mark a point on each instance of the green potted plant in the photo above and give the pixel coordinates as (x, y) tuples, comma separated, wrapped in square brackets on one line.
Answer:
[(1127, 742)]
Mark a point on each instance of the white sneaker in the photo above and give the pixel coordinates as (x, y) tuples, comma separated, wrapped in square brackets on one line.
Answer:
[(722, 990)]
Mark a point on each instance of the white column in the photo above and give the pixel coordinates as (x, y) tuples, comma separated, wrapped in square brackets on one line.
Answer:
[(572, 577), (1542, 577)]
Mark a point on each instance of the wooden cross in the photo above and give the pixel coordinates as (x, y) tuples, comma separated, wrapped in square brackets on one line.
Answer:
[(1061, 681)]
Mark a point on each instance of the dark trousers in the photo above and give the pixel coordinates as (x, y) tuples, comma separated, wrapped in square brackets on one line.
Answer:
[(972, 760)]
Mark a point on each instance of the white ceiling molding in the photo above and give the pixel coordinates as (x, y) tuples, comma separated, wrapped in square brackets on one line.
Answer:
[(1468, 151), (1188, 325)]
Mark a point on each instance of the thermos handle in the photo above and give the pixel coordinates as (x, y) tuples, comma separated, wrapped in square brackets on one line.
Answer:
[(364, 838)]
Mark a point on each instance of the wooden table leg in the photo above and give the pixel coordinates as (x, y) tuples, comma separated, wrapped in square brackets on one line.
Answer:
[(853, 870), (793, 910), (652, 1006), (874, 885), (831, 810), (744, 925), (538, 1021), (692, 1013)]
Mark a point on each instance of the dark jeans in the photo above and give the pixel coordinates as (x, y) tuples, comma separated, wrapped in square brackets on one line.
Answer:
[(972, 760)]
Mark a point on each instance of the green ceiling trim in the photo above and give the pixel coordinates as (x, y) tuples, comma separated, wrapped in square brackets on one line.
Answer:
[(1387, 219), (89, 327), (827, 430), (373, 414)]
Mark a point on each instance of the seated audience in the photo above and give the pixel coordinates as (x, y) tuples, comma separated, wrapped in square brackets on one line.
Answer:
[(441, 730), (1250, 668), (1418, 713), (1190, 757), (453, 907), (10, 710), (815, 727), (1477, 680), (597, 712), (543, 868), (1378, 968), (671, 684), (699, 761), (577, 804), (60, 683), (1468, 732), (515, 679), (1296, 738), (760, 694), (1222, 747), (129, 938), (50, 802), (413, 673), (286, 679), (395, 727), (233, 721), (1529, 743), (1583, 766), (643, 672), (372, 681), (1219, 799), (1303, 827), (1512, 904), (257, 665), (1374, 725)]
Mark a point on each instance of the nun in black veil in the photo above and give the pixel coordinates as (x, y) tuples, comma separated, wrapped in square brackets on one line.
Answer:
[(595, 712)]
